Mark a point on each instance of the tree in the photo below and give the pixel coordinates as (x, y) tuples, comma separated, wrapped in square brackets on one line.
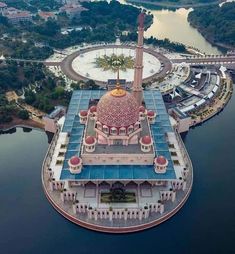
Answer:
[(23, 114), (215, 23), (3, 20), (30, 97)]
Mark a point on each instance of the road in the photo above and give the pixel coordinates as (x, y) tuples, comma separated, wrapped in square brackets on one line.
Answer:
[(206, 60), (66, 64)]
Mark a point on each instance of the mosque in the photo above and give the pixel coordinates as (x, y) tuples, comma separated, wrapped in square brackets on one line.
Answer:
[(117, 163)]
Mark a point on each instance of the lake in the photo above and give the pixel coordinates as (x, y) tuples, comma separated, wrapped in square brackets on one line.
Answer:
[(205, 224)]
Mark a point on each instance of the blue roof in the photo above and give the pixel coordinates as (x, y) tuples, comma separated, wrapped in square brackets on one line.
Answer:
[(80, 101), (121, 172)]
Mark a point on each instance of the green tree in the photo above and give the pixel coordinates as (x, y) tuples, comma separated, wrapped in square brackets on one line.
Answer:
[(23, 114)]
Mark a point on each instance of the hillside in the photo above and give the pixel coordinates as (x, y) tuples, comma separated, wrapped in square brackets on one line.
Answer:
[(217, 24)]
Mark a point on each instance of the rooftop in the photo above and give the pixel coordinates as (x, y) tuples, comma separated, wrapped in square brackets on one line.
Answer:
[(56, 111), (72, 8), (46, 15), (17, 14), (2, 5), (132, 148), (80, 101)]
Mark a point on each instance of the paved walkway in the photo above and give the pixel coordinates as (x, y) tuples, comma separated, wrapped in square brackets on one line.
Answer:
[(216, 105)]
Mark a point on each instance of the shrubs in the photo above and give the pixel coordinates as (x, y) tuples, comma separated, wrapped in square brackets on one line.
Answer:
[(23, 114)]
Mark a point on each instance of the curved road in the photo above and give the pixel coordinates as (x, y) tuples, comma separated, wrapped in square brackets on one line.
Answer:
[(66, 64)]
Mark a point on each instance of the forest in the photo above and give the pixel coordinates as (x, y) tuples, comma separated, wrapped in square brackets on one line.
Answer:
[(102, 22), (217, 24)]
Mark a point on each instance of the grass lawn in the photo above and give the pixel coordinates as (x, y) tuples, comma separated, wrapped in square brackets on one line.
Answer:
[(106, 197)]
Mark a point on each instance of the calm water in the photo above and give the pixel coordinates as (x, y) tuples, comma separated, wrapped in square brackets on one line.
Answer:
[(206, 224), (173, 24)]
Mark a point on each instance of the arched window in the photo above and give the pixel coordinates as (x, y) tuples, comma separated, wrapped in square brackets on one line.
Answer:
[(122, 131), (113, 131), (105, 129)]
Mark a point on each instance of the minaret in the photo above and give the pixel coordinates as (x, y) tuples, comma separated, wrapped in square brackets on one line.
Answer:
[(137, 90)]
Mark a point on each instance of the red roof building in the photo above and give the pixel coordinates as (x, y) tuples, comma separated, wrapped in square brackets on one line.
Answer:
[(15, 16), (72, 10), (47, 15)]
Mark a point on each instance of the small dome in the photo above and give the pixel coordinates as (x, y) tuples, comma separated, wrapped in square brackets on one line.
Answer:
[(141, 109), (74, 161), (161, 160), (151, 113), (90, 140), (117, 108), (93, 109), (146, 140), (83, 113)]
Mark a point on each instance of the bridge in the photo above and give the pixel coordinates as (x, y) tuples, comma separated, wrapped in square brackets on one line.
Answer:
[(66, 67), (18, 60), (202, 60), (206, 60)]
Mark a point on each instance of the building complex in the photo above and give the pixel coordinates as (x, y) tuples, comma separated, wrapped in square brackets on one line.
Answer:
[(117, 163)]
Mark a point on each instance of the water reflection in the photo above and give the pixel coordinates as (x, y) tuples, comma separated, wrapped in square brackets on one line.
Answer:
[(173, 25)]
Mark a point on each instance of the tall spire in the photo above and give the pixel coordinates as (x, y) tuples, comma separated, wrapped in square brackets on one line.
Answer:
[(137, 90), (118, 81)]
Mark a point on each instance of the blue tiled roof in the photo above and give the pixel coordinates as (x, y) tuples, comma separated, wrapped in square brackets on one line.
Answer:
[(122, 172), (80, 101)]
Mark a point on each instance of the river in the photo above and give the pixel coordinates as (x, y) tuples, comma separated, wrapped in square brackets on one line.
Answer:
[(173, 24), (206, 224)]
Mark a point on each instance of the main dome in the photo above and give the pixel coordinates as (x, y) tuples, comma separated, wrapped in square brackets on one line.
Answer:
[(117, 108)]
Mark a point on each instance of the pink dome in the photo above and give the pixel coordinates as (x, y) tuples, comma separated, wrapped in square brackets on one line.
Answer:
[(142, 109), (83, 112), (151, 113), (74, 161), (117, 108), (93, 109), (161, 160), (90, 140), (146, 140)]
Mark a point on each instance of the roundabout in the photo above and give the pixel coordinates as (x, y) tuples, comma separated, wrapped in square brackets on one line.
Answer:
[(81, 65)]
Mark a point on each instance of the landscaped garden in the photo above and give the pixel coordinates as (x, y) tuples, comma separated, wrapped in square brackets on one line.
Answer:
[(118, 196), (115, 62)]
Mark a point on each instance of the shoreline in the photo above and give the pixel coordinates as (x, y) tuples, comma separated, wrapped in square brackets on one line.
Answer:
[(219, 109), (221, 46), (21, 123), (172, 5)]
